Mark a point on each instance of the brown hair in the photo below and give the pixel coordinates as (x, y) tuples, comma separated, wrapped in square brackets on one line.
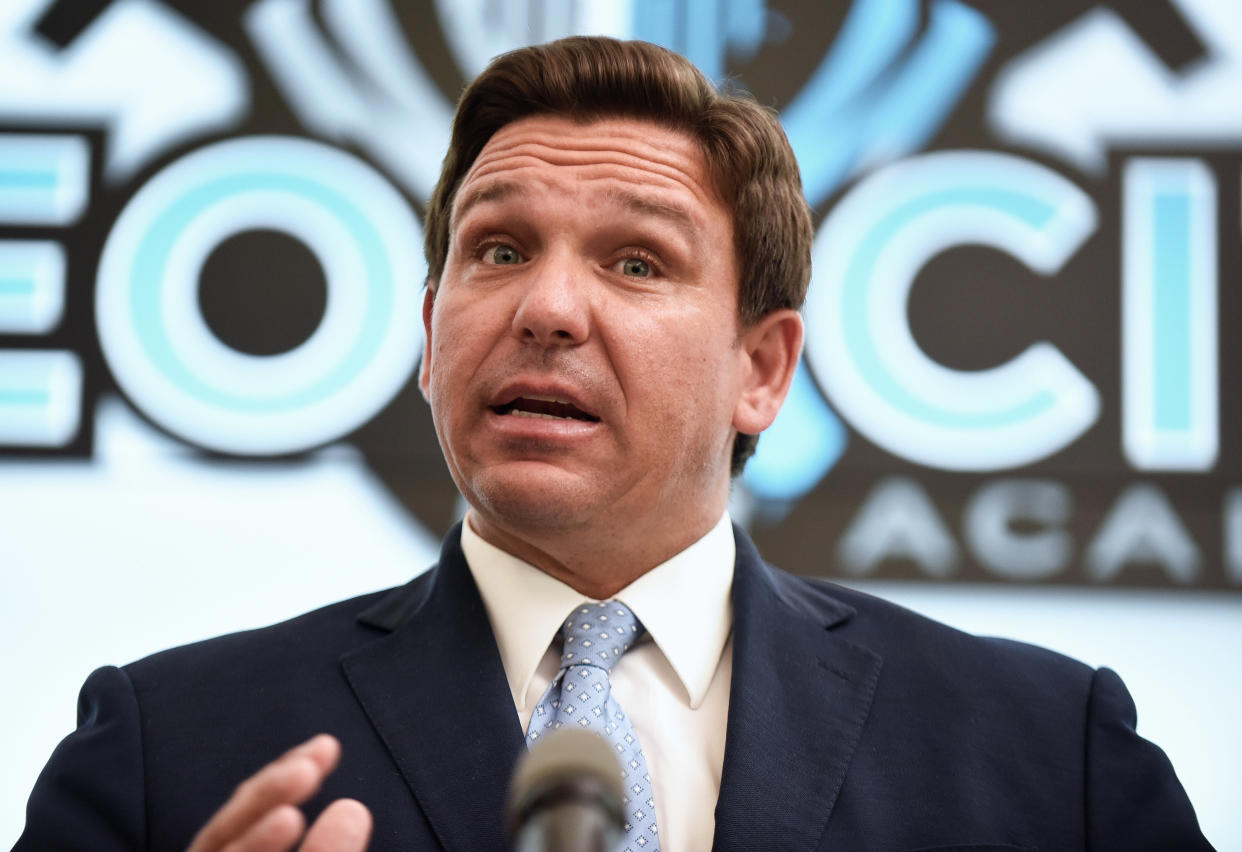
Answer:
[(751, 164)]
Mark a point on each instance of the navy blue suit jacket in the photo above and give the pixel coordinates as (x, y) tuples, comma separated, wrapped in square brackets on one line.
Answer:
[(853, 724)]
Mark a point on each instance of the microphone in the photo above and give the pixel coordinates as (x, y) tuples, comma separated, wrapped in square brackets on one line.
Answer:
[(566, 795)]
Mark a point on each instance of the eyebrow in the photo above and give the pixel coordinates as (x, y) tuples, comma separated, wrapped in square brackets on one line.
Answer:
[(497, 191), (642, 205)]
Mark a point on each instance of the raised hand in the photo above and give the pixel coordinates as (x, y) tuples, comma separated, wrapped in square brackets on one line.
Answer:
[(262, 815)]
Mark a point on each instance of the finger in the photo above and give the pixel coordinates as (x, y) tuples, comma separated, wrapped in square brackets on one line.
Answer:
[(290, 779), (344, 826), (323, 749), (277, 831)]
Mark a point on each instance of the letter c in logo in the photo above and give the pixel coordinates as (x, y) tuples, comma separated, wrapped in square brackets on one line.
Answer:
[(866, 257)]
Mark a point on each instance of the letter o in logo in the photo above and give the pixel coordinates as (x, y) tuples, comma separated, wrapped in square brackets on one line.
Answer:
[(167, 360)]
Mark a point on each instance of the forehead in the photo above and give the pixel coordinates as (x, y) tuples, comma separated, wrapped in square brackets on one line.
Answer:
[(619, 154)]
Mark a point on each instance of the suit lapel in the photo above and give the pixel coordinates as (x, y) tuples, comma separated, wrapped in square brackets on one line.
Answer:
[(799, 698), (435, 690)]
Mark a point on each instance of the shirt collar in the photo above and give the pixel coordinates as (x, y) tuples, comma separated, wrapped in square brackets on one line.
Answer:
[(527, 607)]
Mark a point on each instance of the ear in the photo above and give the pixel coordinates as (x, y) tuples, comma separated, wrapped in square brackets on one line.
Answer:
[(770, 349), (424, 370)]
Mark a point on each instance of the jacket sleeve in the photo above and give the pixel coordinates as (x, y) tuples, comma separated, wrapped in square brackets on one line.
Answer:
[(1133, 798), (91, 793)]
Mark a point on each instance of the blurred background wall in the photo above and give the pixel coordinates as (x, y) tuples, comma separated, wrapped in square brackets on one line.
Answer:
[(1017, 411)]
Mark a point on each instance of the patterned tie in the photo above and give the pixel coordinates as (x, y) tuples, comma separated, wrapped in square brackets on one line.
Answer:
[(595, 636)]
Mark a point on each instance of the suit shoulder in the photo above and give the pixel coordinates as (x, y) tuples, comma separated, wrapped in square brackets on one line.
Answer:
[(907, 639), (327, 631)]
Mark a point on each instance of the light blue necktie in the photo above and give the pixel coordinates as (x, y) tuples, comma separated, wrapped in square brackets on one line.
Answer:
[(595, 636)]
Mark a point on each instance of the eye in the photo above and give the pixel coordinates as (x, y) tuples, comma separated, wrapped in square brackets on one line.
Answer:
[(503, 255), (635, 267)]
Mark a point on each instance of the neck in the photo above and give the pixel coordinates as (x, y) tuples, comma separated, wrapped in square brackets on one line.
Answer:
[(598, 564)]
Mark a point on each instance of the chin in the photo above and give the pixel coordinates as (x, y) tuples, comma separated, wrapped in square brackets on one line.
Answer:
[(528, 503)]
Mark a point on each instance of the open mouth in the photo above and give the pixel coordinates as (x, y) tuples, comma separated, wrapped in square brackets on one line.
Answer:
[(547, 407)]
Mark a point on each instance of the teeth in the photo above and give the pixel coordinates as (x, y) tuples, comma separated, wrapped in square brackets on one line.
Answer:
[(517, 413), (546, 406)]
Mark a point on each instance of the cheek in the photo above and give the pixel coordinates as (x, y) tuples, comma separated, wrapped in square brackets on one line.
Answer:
[(455, 332), (446, 378), (678, 375)]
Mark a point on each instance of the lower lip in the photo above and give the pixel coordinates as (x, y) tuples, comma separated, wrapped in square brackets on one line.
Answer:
[(542, 428)]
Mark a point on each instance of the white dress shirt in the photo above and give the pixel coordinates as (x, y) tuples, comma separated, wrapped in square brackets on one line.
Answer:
[(673, 684)]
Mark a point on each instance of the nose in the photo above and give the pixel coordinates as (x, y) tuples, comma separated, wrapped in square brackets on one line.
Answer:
[(554, 309)]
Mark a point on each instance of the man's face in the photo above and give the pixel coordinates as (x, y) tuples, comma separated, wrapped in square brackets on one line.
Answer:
[(583, 361)]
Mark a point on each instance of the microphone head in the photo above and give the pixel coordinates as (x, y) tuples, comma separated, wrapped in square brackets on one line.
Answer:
[(570, 776)]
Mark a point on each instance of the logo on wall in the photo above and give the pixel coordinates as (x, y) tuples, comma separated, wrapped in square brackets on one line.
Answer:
[(1028, 222)]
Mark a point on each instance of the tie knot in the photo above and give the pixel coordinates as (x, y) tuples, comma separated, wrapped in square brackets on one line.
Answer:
[(597, 634)]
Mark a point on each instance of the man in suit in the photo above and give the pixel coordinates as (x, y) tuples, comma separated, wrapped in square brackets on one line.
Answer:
[(617, 254)]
